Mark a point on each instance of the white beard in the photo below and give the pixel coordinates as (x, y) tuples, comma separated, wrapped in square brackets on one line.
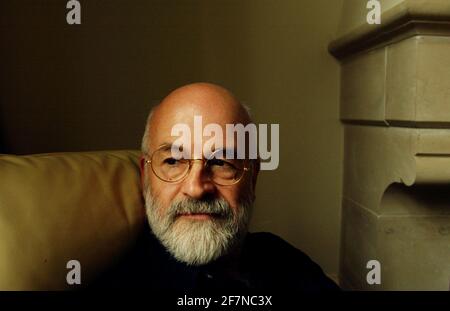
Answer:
[(198, 242)]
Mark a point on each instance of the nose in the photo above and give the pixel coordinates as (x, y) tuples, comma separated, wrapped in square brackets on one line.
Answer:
[(197, 184)]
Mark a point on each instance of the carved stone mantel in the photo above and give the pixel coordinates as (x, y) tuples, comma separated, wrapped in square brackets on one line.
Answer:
[(395, 106)]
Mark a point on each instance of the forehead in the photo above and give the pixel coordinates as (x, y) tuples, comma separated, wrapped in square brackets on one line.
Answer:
[(182, 110)]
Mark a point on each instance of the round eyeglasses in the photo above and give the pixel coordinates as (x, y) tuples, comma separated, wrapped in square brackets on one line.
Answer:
[(223, 172)]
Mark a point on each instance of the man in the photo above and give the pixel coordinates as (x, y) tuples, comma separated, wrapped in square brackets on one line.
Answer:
[(199, 208)]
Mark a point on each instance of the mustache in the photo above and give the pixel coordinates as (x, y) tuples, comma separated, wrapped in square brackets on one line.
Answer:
[(218, 207)]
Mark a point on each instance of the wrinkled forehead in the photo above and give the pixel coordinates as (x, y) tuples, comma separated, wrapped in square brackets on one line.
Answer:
[(201, 122)]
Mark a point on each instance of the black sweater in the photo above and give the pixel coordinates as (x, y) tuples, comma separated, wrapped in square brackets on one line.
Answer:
[(267, 262)]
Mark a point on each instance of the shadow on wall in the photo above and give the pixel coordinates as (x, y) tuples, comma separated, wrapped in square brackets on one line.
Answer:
[(422, 199), (90, 86), (3, 146)]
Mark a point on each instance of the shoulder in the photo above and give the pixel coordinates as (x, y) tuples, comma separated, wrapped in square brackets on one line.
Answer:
[(284, 264), (276, 250)]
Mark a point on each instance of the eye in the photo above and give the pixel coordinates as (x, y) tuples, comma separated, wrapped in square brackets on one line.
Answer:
[(217, 162), (170, 161), (221, 164)]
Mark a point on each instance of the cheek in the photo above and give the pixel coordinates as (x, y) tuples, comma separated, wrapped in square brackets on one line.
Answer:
[(231, 195), (163, 192), (236, 194)]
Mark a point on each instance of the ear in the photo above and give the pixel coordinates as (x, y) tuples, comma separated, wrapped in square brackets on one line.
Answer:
[(255, 172), (142, 170)]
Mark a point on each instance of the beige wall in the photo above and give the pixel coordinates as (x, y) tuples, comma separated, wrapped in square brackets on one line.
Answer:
[(89, 87)]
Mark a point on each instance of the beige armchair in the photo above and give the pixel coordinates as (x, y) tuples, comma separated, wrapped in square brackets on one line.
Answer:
[(83, 206)]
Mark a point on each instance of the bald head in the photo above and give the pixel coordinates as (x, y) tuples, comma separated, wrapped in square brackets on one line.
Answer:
[(214, 103), (202, 97)]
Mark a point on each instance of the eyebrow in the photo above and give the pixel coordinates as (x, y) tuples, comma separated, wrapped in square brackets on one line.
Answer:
[(169, 146), (226, 150), (166, 146)]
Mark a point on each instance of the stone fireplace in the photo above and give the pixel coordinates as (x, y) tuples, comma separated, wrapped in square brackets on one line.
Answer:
[(395, 107)]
